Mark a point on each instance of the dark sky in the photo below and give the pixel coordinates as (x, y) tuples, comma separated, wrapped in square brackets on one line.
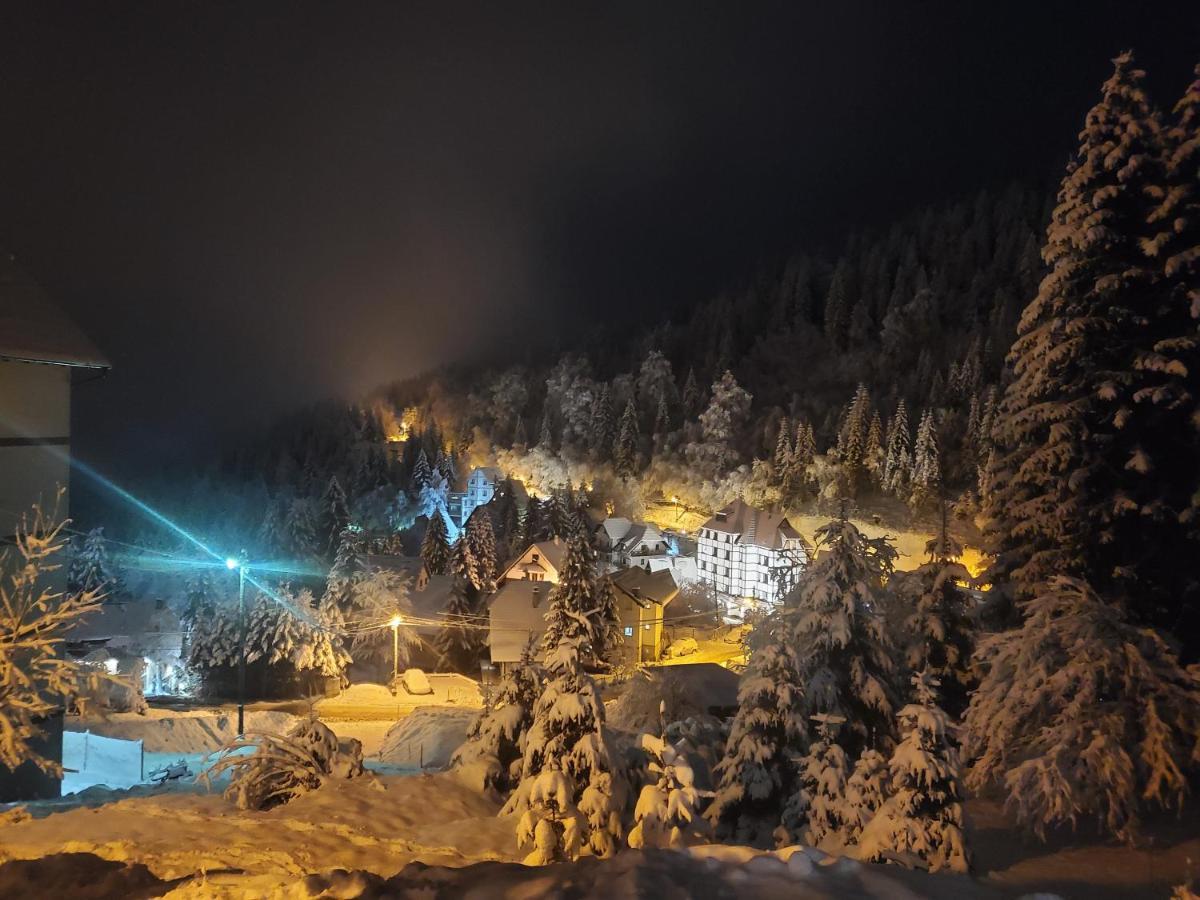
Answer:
[(252, 205)]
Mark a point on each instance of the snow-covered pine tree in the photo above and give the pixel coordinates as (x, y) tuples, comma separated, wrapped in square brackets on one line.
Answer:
[(446, 466), (922, 818), (495, 743), (898, 465), (784, 450), (379, 595), (272, 531), (817, 813), (607, 620), (546, 429), (334, 516), (625, 449), (464, 567), (757, 773), (866, 790), (852, 443), (927, 466), (938, 635), (873, 453), (842, 653), (520, 436), (460, 642), (662, 423), (1055, 490), (572, 610), (666, 814), (720, 425), (603, 430), (435, 546), (691, 395), (421, 473), (567, 736), (1080, 713), (301, 528), (89, 570), (482, 540), (1156, 526)]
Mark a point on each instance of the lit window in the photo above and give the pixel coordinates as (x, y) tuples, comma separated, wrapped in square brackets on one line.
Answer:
[(628, 631)]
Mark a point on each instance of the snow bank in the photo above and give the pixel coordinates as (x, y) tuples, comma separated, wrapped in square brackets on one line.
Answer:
[(699, 872), (193, 731), (428, 735)]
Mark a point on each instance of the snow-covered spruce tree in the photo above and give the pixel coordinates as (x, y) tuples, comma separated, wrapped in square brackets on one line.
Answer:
[(897, 467), (938, 634), (1081, 714), (495, 744), (35, 674), (546, 429), (520, 436), (625, 448), (550, 825), (1059, 476), (852, 443), (572, 611), (873, 453), (446, 466), (435, 546), (666, 813), (927, 466), (481, 538), (692, 398), (301, 528), (602, 428), (816, 813), (757, 773), (922, 819), (460, 642), (606, 620), (89, 568), (1160, 525), (465, 567), (720, 424), (567, 740), (421, 473), (334, 516), (842, 654), (784, 449), (866, 790)]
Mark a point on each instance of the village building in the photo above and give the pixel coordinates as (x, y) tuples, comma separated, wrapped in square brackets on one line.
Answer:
[(623, 542), (540, 562), (43, 355), (748, 553), (481, 487), (642, 599)]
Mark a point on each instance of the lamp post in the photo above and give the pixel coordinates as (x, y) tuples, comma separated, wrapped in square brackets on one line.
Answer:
[(396, 622), (232, 564)]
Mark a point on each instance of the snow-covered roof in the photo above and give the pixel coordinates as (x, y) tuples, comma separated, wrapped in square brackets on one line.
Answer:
[(755, 526), (34, 329), (615, 528), (682, 568), (516, 612), (136, 624), (551, 553), (644, 587)]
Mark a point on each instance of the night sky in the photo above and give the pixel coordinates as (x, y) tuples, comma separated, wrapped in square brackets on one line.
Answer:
[(252, 205)]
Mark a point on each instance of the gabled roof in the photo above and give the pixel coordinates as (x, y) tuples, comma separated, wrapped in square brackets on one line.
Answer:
[(34, 329), (615, 528), (553, 552), (644, 587), (755, 526), (516, 612)]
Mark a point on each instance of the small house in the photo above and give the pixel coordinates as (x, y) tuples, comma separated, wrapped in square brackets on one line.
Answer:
[(540, 562), (642, 597)]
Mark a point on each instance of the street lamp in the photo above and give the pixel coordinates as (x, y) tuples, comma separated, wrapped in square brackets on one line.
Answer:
[(232, 564), (396, 621)]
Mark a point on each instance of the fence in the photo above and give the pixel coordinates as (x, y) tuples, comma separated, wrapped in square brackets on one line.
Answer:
[(91, 759)]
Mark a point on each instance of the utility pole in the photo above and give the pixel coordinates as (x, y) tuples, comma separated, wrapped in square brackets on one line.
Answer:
[(240, 565)]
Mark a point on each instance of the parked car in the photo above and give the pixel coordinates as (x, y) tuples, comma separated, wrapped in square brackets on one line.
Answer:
[(415, 682)]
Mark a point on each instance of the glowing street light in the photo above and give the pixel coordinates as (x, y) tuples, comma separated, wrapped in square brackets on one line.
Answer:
[(231, 563), (396, 621)]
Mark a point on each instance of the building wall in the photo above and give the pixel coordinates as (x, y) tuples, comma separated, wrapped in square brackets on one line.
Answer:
[(737, 569), (641, 631), (35, 432)]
